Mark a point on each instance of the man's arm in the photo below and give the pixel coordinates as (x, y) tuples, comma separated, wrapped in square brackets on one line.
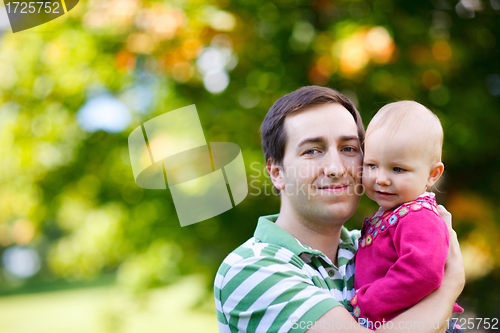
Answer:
[(268, 294), (433, 311)]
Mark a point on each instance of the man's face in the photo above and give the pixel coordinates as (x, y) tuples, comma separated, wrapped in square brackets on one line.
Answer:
[(322, 165)]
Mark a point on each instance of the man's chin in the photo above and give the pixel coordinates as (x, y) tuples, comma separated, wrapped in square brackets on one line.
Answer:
[(339, 212)]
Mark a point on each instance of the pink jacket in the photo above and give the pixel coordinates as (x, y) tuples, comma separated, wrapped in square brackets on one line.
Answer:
[(400, 259)]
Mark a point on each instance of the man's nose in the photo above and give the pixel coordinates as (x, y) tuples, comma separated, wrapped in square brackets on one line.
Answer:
[(382, 178), (334, 165)]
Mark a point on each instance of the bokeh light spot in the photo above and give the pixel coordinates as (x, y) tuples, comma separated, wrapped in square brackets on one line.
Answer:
[(21, 261), (439, 96), (431, 79), (216, 81), (493, 84), (104, 112), (441, 50), (23, 231)]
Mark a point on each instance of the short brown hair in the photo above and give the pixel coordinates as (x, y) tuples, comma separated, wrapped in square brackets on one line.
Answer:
[(272, 130)]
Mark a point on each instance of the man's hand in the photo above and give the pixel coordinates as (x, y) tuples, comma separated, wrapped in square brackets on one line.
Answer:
[(454, 274)]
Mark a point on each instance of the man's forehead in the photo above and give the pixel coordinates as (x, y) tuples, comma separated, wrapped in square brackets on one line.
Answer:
[(321, 122)]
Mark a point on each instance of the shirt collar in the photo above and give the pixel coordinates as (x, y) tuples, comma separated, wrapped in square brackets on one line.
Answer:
[(425, 195), (268, 232)]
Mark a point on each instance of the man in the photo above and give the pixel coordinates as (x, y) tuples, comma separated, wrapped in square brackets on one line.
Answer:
[(296, 273)]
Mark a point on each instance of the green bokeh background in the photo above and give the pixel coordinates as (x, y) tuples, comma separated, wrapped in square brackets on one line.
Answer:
[(70, 193)]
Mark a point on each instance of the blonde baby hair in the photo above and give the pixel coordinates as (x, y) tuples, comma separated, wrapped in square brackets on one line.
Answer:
[(395, 118)]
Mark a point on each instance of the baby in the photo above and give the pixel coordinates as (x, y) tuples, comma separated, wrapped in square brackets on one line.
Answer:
[(403, 247)]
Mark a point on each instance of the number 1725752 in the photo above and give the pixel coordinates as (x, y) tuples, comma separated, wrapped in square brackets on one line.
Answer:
[(33, 7), (478, 323)]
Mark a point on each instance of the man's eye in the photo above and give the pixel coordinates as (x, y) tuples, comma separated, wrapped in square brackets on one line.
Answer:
[(397, 169), (310, 151), (349, 149)]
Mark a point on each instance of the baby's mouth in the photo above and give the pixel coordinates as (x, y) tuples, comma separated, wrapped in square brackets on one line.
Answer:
[(384, 194)]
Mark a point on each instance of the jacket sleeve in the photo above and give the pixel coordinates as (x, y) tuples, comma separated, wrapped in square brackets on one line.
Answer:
[(421, 241)]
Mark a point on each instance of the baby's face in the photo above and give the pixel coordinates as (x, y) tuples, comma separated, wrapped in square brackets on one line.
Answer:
[(395, 170)]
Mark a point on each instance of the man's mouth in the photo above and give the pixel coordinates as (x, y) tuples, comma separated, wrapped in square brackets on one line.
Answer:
[(334, 188)]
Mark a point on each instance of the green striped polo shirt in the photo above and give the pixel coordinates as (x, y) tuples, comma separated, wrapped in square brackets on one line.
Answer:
[(272, 282)]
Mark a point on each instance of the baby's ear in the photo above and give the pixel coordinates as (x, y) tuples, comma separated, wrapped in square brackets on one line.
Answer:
[(436, 172)]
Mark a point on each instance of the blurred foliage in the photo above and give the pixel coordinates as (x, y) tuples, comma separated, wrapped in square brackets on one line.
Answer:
[(70, 193)]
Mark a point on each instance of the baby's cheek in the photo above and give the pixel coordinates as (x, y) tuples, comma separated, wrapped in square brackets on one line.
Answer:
[(366, 179)]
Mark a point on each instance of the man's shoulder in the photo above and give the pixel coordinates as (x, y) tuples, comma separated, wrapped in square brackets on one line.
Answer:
[(351, 236), (258, 254), (257, 280)]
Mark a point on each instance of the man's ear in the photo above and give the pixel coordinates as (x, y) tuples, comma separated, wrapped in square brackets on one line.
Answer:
[(276, 174), (436, 172)]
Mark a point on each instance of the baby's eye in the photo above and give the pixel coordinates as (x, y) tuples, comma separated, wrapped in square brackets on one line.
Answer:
[(398, 169), (372, 166)]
